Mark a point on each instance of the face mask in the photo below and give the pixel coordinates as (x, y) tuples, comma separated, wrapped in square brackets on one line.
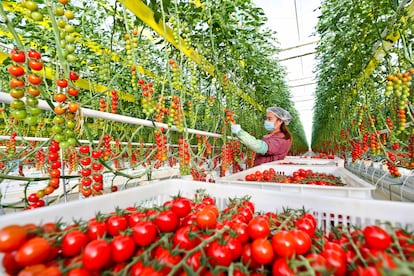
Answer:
[(269, 126)]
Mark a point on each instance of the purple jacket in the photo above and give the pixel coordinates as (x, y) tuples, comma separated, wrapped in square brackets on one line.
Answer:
[(278, 148)]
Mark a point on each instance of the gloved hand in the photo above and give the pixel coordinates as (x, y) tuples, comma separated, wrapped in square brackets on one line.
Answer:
[(235, 128), (256, 145)]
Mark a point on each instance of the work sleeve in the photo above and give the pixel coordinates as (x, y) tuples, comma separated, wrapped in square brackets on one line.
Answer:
[(256, 145)]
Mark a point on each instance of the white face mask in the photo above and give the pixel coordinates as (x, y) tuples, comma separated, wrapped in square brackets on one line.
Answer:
[(269, 126)]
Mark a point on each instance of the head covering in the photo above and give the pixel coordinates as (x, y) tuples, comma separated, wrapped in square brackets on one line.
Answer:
[(282, 114)]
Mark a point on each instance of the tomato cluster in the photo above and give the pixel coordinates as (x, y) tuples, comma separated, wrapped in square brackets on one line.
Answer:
[(301, 176), (192, 237)]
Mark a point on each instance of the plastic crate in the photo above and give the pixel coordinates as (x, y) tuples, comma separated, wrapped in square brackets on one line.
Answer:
[(355, 187), (300, 160), (328, 211)]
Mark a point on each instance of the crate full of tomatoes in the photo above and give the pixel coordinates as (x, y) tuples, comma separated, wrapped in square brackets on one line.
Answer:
[(322, 180), (209, 229)]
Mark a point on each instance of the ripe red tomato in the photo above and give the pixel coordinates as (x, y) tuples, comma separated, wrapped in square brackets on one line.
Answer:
[(12, 237), (35, 65), (144, 233), (62, 83), (181, 206), (86, 172), (235, 247), (122, 248), (246, 256), (283, 243), (166, 259), (241, 231), (73, 76), (84, 149), (186, 237), (307, 225), (96, 154), (73, 92), (78, 271), (86, 161), (317, 262), (9, 263), (219, 254), (376, 237), (96, 229), (96, 254), (258, 227), (281, 268), (302, 240), (34, 79), (336, 261), (116, 224), (166, 221), (16, 71), (206, 219), (97, 166), (15, 83), (55, 173), (262, 251), (17, 56), (33, 251), (97, 177), (34, 54), (73, 242), (135, 217)]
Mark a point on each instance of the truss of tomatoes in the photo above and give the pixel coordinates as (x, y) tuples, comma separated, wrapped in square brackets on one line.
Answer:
[(192, 237), (301, 176)]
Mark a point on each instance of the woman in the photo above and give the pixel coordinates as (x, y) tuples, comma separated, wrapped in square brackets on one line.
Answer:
[(273, 146)]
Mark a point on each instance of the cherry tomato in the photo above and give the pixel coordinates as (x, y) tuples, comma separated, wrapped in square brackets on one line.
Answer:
[(281, 268), (144, 233), (246, 256), (33, 251), (34, 79), (96, 229), (122, 248), (62, 83), (116, 224), (16, 83), (35, 65), (96, 254), (186, 237), (307, 225), (73, 76), (73, 242), (376, 237), (84, 149), (241, 231), (17, 56), (181, 206), (336, 261), (258, 227), (219, 254), (317, 262), (206, 219), (9, 263), (16, 71), (34, 54), (235, 247), (262, 251), (12, 237), (302, 240), (166, 259), (166, 221), (283, 243)]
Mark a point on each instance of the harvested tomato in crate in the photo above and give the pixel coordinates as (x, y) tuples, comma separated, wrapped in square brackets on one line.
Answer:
[(328, 180), (152, 226)]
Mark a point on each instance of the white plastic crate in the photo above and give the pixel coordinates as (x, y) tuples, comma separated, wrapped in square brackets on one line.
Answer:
[(355, 187), (328, 211), (301, 160)]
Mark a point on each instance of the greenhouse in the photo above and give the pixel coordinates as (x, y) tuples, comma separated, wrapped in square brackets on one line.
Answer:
[(201, 137)]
